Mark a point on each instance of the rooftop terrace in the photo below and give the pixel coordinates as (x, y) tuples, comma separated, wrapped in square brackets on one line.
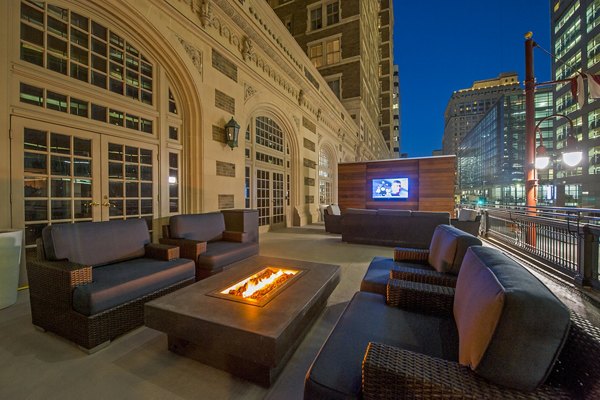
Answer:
[(138, 365)]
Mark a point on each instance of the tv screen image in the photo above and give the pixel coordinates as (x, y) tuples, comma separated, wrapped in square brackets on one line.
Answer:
[(390, 188)]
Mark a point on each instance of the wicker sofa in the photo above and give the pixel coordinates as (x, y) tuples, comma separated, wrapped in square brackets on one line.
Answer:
[(437, 265), (214, 240), (485, 339), (90, 280), (383, 227)]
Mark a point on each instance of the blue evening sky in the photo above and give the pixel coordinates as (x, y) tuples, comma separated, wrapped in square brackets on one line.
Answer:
[(442, 46)]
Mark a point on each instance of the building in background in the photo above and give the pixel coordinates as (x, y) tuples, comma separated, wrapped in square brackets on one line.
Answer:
[(388, 74), (575, 32), (491, 156), (396, 114), (467, 106), (343, 40)]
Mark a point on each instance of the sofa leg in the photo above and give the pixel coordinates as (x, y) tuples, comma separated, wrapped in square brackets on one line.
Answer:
[(96, 348)]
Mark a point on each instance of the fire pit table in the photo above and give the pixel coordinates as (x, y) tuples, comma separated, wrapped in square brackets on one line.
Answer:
[(253, 336)]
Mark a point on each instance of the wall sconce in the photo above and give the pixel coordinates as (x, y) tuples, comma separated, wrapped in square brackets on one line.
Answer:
[(571, 154), (232, 131)]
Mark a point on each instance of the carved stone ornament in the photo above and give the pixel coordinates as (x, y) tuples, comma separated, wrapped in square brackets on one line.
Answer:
[(206, 13), (297, 121), (194, 54), (300, 96), (247, 49), (249, 91)]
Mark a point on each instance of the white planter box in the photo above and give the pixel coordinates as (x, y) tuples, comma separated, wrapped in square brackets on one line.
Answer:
[(10, 259)]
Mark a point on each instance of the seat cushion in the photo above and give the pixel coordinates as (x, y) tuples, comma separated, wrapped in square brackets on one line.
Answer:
[(119, 283), (336, 372), (466, 214), (96, 243), (448, 248), (220, 254), (202, 227), (511, 327), (378, 274)]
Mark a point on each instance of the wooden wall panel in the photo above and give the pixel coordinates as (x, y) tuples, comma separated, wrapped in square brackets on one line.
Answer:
[(431, 183)]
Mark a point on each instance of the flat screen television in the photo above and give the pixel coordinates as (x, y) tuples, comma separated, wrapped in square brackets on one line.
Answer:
[(390, 188)]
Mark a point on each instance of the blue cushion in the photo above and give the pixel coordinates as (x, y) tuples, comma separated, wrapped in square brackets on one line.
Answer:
[(122, 282), (202, 227), (336, 372), (96, 243), (378, 274), (511, 327), (222, 253)]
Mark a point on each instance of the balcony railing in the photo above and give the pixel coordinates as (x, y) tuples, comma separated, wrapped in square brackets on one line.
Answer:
[(563, 241)]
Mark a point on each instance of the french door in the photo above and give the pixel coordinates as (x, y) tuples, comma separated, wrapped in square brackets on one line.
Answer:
[(63, 175), (271, 198)]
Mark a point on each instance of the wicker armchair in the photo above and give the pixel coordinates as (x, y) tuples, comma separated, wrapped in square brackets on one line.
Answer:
[(437, 265), (393, 373), (60, 273)]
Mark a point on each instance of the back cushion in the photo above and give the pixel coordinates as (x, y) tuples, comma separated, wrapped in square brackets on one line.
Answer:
[(203, 227), (511, 327), (448, 248), (465, 214), (333, 209), (96, 243), (397, 213)]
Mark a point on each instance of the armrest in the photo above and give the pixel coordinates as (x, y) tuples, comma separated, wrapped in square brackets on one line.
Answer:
[(54, 281), (422, 297), (233, 236), (164, 252), (189, 249), (393, 373), (424, 276), (405, 254)]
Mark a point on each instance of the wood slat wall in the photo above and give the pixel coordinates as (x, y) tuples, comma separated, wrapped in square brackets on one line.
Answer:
[(430, 183)]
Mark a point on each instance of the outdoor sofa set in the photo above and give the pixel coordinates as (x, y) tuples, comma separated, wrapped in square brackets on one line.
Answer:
[(388, 227), (90, 280), (457, 320)]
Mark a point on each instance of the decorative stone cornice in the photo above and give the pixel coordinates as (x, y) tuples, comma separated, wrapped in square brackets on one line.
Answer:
[(194, 54)]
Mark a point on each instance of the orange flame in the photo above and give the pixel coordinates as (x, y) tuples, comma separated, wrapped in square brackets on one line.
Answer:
[(261, 283)]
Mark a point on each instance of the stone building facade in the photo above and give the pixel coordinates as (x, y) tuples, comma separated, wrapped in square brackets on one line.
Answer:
[(343, 41), (116, 109)]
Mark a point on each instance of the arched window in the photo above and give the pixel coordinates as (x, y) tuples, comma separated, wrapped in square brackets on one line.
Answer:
[(325, 178)]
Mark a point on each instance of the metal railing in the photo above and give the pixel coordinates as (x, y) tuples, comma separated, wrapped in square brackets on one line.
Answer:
[(563, 241)]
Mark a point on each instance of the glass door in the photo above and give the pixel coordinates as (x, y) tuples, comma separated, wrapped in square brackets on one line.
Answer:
[(55, 176), (270, 198), (130, 189)]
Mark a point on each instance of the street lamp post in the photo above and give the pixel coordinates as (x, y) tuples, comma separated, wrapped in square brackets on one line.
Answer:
[(531, 182)]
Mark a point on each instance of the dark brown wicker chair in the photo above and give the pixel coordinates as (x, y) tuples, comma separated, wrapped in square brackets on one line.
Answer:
[(393, 373), (53, 282)]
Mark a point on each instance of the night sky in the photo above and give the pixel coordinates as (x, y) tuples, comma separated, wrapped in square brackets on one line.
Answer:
[(442, 46)]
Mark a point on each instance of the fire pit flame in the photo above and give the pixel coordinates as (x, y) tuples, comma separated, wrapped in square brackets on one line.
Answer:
[(260, 284)]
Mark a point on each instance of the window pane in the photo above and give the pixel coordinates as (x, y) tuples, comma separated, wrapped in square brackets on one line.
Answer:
[(35, 163), (82, 188), (79, 107), (55, 101), (61, 209), (32, 95), (36, 210), (57, 64), (61, 187), (60, 143), (32, 15), (32, 54), (82, 167), (35, 186), (98, 113)]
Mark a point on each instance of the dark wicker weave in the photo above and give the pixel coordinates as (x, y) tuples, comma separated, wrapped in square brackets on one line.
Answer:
[(422, 297), (392, 373), (51, 284), (422, 275), (406, 254)]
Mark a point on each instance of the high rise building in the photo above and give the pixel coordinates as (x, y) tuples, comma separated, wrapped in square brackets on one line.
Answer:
[(388, 76), (397, 114), (467, 106), (491, 156), (343, 39), (575, 32)]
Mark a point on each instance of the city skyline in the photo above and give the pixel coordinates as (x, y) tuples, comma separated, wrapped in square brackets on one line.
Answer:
[(476, 41)]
